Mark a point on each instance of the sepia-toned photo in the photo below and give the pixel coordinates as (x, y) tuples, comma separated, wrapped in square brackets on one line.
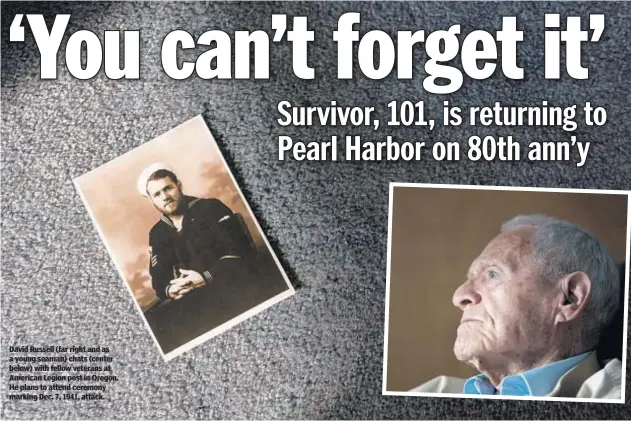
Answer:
[(183, 238), (506, 293)]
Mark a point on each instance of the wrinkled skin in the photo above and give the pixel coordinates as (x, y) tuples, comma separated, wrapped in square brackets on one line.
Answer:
[(510, 318)]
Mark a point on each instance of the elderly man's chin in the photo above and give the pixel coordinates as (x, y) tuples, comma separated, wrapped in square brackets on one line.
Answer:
[(466, 347)]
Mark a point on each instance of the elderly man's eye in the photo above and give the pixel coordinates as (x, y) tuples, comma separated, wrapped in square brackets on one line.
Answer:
[(492, 274)]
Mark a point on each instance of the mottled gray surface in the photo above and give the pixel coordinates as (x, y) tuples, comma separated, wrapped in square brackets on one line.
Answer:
[(318, 354)]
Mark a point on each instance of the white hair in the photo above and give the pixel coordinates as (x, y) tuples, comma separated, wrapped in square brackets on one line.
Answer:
[(562, 248)]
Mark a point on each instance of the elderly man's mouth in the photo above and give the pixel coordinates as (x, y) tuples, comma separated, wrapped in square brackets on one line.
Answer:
[(469, 319)]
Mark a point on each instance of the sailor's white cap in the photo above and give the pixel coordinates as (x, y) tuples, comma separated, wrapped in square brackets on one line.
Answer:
[(148, 172)]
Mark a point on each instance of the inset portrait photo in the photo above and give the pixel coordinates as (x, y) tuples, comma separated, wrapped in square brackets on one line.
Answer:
[(183, 238), (506, 293)]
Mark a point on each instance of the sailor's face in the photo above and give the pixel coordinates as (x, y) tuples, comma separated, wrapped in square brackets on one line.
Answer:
[(166, 195)]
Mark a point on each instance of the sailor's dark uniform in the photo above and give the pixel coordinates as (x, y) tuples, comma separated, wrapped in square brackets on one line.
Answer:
[(206, 244), (214, 242)]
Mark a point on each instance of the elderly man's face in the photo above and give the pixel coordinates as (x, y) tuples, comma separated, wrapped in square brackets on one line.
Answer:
[(165, 195), (507, 309)]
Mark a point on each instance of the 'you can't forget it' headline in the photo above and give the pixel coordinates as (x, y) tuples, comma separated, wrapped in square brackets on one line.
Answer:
[(230, 56)]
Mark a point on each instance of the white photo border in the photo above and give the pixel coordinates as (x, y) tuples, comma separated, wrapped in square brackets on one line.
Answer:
[(384, 390), (235, 320)]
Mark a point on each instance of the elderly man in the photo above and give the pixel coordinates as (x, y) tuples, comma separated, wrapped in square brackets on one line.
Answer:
[(533, 306)]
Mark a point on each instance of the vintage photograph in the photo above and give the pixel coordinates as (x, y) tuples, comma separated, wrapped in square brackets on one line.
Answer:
[(183, 238), (506, 293)]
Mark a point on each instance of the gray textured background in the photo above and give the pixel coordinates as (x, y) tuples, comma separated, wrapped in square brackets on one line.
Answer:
[(318, 354)]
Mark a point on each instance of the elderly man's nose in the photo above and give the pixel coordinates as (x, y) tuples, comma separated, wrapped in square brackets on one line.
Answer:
[(465, 296)]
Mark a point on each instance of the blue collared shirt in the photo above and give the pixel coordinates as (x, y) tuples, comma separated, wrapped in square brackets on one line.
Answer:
[(539, 381)]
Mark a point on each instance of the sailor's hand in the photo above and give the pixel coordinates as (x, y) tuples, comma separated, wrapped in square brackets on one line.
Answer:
[(193, 279), (178, 288)]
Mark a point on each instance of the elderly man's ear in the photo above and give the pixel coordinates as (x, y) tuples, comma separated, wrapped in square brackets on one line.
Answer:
[(576, 290)]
